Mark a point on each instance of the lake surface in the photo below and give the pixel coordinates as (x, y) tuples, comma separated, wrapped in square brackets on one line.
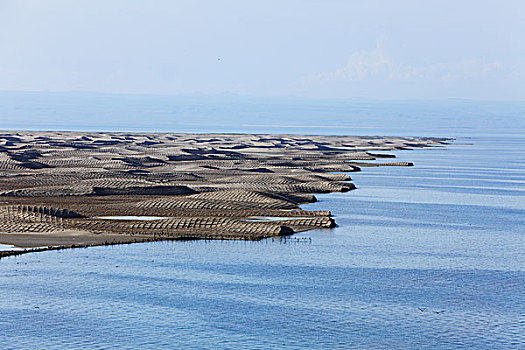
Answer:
[(424, 257)]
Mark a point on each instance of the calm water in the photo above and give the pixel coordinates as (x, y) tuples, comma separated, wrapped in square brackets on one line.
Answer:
[(446, 236)]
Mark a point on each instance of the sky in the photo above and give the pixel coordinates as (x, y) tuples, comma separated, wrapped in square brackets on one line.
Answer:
[(310, 48)]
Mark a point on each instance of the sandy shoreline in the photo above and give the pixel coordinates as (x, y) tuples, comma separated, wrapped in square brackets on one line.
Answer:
[(57, 189)]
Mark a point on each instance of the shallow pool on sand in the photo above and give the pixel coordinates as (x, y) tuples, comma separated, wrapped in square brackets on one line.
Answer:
[(143, 218)]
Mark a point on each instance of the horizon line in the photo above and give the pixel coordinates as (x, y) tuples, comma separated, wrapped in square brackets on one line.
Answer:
[(234, 94)]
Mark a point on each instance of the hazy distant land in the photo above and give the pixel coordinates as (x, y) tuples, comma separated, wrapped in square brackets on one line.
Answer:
[(69, 189)]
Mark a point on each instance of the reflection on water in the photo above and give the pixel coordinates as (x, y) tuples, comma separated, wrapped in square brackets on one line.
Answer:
[(425, 257)]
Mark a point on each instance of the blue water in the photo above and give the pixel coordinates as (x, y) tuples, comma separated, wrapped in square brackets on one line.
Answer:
[(446, 236)]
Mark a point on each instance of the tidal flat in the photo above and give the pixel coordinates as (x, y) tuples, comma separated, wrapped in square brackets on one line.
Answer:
[(77, 189)]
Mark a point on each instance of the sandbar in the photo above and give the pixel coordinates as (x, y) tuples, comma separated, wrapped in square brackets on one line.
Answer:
[(61, 189)]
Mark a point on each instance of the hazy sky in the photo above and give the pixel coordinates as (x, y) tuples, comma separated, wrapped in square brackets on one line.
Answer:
[(318, 48)]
